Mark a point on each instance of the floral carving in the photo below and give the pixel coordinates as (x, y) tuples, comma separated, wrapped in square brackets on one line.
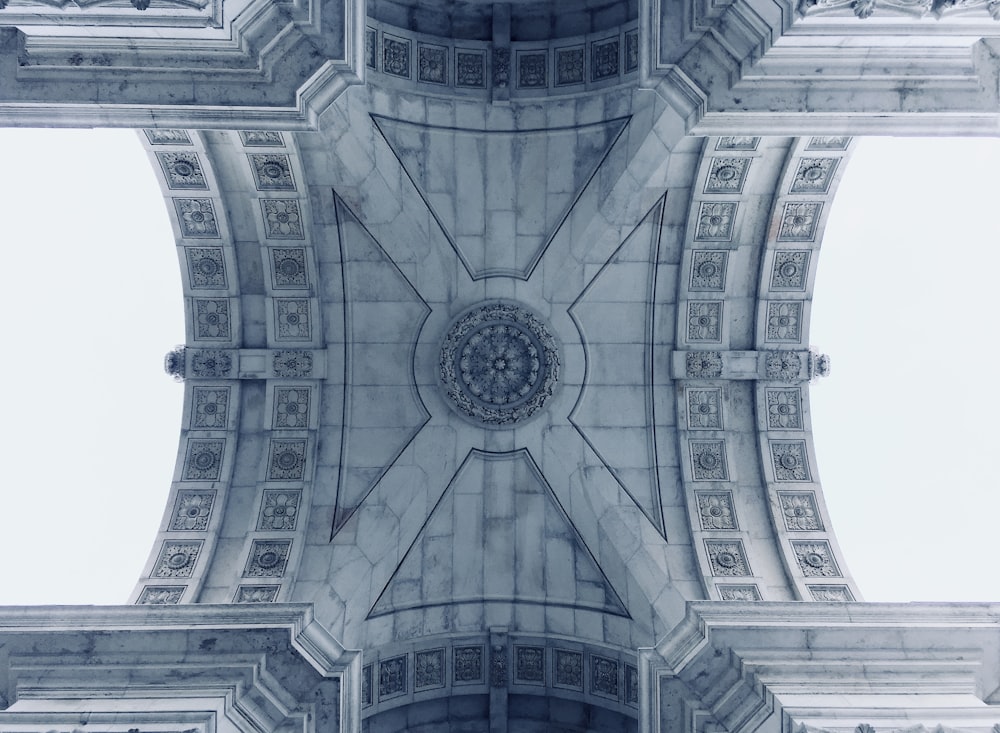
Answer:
[(819, 365), (396, 56), (799, 511), (192, 511), (428, 669), (501, 67), (371, 40), (708, 270), (704, 320), (432, 64), (182, 170), (863, 8), (262, 139), (703, 364), (704, 409), (366, 685), (499, 364), (267, 559), (739, 592), (530, 664), (784, 409), (196, 218), (211, 407), (292, 319), (834, 593), (177, 559), (740, 142), (498, 665), (569, 669), (289, 265), (715, 510), (281, 218), (211, 363), (790, 270), (569, 66), (392, 677), (726, 175), (174, 363), (828, 143), (715, 222), (272, 171), (211, 319), (815, 559), (784, 321), (287, 460), (789, 459), (603, 676), (468, 663), (531, 69), (727, 558), (604, 60), (783, 365), (470, 69), (799, 221), (203, 460), (289, 363), (631, 51), (291, 407), (708, 460), (631, 685), (257, 594), (160, 595), (814, 175), (279, 510), (206, 268), (168, 137)]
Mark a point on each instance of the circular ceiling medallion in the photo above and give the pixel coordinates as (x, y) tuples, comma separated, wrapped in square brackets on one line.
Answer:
[(499, 364)]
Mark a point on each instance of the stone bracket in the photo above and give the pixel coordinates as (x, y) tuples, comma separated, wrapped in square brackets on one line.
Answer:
[(188, 363), (781, 366)]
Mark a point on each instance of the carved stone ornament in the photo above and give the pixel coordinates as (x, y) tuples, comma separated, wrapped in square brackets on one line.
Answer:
[(783, 365), (704, 364), (499, 364), (498, 666), (173, 364), (819, 365)]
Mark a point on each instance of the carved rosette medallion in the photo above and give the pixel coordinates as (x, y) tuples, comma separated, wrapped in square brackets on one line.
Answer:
[(499, 364)]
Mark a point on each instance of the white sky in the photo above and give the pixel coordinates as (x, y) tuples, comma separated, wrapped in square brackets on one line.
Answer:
[(904, 426)]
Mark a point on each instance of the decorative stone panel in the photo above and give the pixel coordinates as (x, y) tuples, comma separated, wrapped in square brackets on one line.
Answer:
[(741, 142), (790, 270), (727, 175), (501, 68), (715, 510), (371, 48), (739, 592), (708, 460), (291, 363), (196, 218), (291, 407), (468, 664), (703, 364), (498, 665), (203, 459), (207, 363), (789, 460), (799, 222), (814, 175), (631, 51), (604, 59), (529, 665), (288, 268), (828, 143), (470, 68), (704, 409), (161, 595), (256, 594), (783, 365), (271, 171), (206, 268), (282, 218), (366, 686), (604, 676), (815, 559), (799, 511), (727, 558), (279, 510), (268, 559), (392, 677), (570, 63), (708, 270), (192, 511), (292, 319), (834, 593), (631, 685), (704, 321), (715, 221), (182, 170), (262, 139), (211, 319), (287, 460), (531, 69), (210, 408), (432, 64), (428, 669), (784, 407), (396, 56), (168, 137), (784, 322), (567, 668), (177, 559)]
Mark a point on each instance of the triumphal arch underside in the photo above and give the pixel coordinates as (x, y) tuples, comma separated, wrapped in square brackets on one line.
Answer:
[(497, 364)]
